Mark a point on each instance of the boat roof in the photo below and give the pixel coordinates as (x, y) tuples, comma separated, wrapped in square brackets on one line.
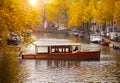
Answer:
[(58, 44), (55, 42)]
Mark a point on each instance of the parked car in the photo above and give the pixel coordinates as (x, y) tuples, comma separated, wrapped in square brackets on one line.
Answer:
[(12, 42), (81, 35), (14, 39)]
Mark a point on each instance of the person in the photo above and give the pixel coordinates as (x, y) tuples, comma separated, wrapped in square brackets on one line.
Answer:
[(56, 50), (108, 34), (20, 53), (76, 48)]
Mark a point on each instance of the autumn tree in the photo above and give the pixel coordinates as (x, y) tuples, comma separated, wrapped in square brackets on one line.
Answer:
[(104, 11), (117, 11), (16, 16), (56, 10), (80, 12), (75, 15)]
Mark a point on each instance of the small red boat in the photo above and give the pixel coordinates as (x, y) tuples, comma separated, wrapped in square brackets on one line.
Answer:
[(105, 43), (62, 51)]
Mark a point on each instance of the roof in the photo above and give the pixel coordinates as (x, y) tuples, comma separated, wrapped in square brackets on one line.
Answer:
[(55, 42), (59, 44)]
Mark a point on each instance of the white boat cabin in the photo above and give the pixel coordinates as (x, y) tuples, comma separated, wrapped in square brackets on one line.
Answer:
[(58, 48)]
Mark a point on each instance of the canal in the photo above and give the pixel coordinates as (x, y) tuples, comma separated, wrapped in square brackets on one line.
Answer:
[(16, 70)]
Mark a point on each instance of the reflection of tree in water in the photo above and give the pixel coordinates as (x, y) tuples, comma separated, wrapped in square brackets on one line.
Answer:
[(63, 63), (10, 70)]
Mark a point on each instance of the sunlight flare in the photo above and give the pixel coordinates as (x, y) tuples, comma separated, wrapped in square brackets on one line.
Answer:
[(33, 2)]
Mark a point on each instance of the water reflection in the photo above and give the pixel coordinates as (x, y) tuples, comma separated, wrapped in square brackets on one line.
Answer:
[(10, 69), (56, 36), (49, 36), (107, 70), (61, 71), (56, 71), (58, 63)]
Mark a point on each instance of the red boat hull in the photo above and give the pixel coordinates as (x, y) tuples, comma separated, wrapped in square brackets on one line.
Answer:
[(90, 55), (105, 43)]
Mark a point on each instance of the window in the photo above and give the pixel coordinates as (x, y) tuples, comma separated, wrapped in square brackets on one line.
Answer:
[(42, 49)]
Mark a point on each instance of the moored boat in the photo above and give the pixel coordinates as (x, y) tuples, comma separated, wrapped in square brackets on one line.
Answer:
[(95, 38), (105, 43), (117, 47), (62, 51)]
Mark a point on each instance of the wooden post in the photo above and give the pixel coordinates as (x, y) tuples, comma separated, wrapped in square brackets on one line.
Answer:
[(79, 47), (70, 49), (36, 49), (49, 49)]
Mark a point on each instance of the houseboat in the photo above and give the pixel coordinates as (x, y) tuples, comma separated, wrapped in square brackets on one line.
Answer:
[(62, 51), (95, 38)]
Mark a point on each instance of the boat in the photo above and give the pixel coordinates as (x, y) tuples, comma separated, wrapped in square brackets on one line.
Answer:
[(117, 47), (95, 38), (111, 45), (105, 43), (62, 51)]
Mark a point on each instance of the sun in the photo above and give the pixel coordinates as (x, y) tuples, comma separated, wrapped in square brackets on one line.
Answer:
[(33, 2)]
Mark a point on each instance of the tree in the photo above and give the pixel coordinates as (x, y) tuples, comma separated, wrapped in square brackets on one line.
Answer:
[(16, 16), (79, 12), (57, 11), (104, 11), (117, 11)]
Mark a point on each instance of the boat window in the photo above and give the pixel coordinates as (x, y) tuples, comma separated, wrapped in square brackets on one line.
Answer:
[(67, 49), (60, 49), (53, 49), (43, 49), (57, 50)]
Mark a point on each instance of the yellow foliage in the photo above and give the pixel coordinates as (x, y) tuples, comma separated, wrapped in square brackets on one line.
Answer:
[(15, 16), (79, 12), (117, 11), (56, 10), (104, 11)]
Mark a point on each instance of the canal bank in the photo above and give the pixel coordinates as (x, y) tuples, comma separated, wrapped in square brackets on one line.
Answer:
[(108, 40)]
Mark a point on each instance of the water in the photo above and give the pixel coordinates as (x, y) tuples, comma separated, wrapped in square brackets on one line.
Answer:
[(107, 70)]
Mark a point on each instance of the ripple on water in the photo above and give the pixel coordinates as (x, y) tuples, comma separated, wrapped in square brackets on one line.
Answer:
[(61, 71)]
